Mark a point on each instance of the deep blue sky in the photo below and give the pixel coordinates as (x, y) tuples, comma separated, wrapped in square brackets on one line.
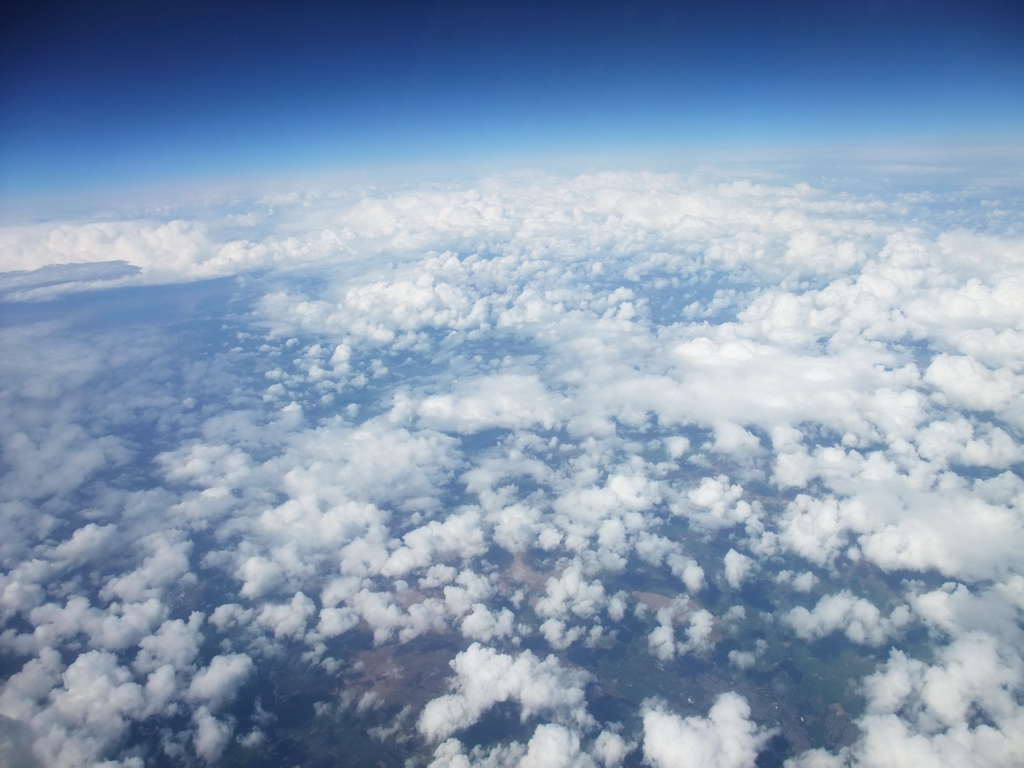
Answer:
[(99, 94)]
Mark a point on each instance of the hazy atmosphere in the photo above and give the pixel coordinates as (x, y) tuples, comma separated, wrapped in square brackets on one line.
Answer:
[(481, 385)]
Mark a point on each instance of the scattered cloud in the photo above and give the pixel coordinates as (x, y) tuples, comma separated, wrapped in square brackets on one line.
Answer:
[(726, 738), (497, 466)]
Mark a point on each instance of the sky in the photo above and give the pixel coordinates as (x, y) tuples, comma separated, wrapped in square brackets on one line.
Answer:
[(103, 95)]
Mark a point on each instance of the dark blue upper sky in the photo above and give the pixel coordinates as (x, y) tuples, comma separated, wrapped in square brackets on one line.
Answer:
[(101, 94)]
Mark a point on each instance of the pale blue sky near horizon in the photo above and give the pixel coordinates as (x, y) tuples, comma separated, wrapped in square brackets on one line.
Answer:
[(119, 94)]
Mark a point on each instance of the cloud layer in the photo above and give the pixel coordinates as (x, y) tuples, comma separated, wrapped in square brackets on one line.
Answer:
[(537, 471)]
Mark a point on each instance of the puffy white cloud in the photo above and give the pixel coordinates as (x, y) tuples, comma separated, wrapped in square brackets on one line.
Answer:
[(954, 532), (377, 462), (611, 749), (287, 619), (116, 627), (966, 383), (485, 625), (218, 682), (336, 621), (726, 738), (571, 593), (971, 672), (956, 441), (747, 659), (954, 609), (508, 400), (554, 746), (722, 501), (458, 535), (259, 575), (83, 710), (175, 643), (737, 568), (859, 619), (484, 677), (166, 563), (700, 625), (56, 459), (211, 736), (161, 690), (380, 612), (98, 691), (964, 707)]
